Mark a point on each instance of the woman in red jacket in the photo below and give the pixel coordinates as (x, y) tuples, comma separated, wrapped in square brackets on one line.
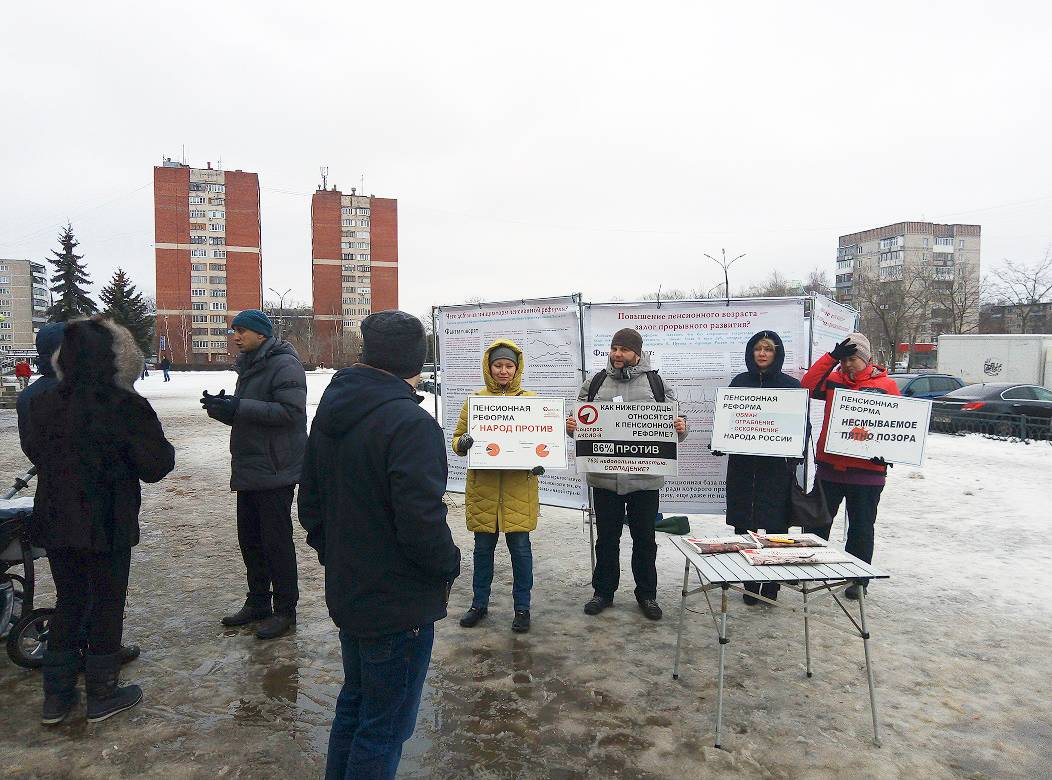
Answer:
[(850, 366)]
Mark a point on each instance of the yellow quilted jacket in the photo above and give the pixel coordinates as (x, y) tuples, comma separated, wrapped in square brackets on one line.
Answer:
[(502, 500)]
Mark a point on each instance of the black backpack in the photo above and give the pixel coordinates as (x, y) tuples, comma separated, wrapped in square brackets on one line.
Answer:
[(657, 385)]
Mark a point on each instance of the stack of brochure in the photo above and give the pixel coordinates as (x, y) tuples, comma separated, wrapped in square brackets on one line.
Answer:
[(726, 544), (790, 556), (787, 540)]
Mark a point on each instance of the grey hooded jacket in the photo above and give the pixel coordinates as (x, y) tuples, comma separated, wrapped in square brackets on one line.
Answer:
[(627, 384), (268, 433)]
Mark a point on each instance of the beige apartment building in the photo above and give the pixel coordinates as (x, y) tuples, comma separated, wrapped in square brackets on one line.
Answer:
[(24, 301), (947, 256)]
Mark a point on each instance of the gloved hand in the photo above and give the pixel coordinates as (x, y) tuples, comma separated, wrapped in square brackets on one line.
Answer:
[(717, 453), (222, 407), (882, 462), (464, 444), (537, 471), (844, 349)]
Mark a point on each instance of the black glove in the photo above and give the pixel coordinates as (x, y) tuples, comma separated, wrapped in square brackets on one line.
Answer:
[(464, 444), (222, 407), (882, 462), (844, 349), (717, 453), (537, 470)]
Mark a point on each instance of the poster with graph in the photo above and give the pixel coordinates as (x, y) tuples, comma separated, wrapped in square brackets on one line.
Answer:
[(549, 333), (698, 346)]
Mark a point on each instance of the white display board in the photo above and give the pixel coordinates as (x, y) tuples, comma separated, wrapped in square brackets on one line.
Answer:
[(875, 425), (757, 421), (698, 347), (626, 438), (831, 323), (549, 333), (517, 433)]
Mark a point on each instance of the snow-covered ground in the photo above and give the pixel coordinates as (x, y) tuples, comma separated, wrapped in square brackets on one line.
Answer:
[(962, 647)]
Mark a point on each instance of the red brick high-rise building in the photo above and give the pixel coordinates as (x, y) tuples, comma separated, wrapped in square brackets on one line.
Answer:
[(209, 266), (354, 253)]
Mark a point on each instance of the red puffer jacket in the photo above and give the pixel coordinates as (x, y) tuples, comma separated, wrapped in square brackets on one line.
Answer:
[(822, 379)]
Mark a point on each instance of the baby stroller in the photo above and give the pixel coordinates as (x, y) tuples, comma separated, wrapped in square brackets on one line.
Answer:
[(25, 628)]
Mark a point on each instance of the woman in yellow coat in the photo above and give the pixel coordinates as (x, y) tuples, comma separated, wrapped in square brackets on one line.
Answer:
[(500, 500)]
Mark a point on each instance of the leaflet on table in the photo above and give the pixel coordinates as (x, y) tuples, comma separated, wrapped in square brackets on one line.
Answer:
[(698, 347), (518, 432), (757, 421), (788, 556), (871, 425), (548, 332), (626, 438), (787, 540), (721, 544)]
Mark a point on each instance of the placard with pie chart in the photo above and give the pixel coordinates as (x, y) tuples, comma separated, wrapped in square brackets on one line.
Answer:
[(517, 432)]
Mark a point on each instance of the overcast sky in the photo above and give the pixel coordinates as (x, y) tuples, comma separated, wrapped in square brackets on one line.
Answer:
[(536, 149)]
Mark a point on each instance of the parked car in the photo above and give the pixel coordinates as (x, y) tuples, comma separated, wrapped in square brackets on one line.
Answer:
[(918, 385), (999, 408)]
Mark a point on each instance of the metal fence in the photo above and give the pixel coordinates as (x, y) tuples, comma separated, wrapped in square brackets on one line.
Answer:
[(1001, 426)]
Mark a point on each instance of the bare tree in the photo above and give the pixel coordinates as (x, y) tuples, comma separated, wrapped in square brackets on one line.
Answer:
[(1024, 287), (776, 285), (894, 308), (673, 294), (956, 296), (818, 282)]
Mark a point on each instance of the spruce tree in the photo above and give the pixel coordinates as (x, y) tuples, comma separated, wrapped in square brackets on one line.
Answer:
[(69, 281), (126, 307)]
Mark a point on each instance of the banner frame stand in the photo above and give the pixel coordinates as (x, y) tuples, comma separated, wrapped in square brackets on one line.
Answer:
[(584, 378), (438, 363)]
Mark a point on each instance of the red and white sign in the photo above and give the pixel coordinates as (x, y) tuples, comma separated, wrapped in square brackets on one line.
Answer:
[(517, 432), (875, 425)]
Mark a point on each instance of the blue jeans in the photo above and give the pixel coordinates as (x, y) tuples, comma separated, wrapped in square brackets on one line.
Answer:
[(377, 706), (521, 568), (167, 378)]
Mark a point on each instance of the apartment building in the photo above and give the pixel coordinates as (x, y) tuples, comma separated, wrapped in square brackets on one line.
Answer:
[(24, 301), (208, 261), (948, 256), (354, 264)]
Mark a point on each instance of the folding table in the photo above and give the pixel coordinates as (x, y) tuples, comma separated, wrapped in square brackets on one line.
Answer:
[(730, 571)]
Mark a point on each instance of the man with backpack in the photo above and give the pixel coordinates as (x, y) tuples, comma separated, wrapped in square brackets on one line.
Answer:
[(627, 378)]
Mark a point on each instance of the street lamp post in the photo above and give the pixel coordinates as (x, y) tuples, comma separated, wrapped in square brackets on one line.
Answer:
[(281, 309), (725, 264)]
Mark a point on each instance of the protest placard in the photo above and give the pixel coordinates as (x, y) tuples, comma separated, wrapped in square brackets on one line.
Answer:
[(754, 421), (626, 438), (874, 425), (517, 432)]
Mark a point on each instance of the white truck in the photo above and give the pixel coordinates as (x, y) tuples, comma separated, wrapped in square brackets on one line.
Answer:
[(1019, 358)]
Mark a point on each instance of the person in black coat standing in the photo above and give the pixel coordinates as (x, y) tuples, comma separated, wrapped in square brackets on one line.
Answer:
[(758, 487), (267, 415), (370, 500), (92, 439)]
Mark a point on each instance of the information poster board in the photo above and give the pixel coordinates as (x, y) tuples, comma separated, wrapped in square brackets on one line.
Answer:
[(754, 421), (517, 433), (549, 333), (698, 347), (626, 438), (875, 425)]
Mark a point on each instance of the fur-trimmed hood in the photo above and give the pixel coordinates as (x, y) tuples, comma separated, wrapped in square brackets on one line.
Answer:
[(128, 360)]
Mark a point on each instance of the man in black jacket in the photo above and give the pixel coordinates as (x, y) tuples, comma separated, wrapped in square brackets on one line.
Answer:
[(371, 502), (267, 415)]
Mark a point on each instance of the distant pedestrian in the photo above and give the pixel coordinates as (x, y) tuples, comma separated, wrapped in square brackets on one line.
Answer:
[(166, 366), (48, 340), (499, 499), (628, 378), (857, 480), (23, 371), (92, 439), (267, 415), (371, 502), (758, 487)]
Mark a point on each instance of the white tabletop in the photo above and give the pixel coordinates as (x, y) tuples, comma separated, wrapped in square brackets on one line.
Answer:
[(731, 567)]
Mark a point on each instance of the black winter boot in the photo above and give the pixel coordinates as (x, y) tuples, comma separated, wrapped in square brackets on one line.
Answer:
[(521, 623), (105, 697), (473, 616), (278, 624), (60, 685), (769, 590), (255, 609)]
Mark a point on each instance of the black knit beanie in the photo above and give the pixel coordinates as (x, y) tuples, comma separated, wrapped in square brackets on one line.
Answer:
[(394, 341), (629, 339)]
